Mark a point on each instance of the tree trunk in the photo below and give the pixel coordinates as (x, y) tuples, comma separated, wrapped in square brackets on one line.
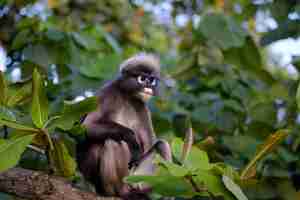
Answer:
[(40, 186)]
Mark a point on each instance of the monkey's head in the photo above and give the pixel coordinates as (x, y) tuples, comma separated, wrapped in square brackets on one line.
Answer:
[(140, 76)]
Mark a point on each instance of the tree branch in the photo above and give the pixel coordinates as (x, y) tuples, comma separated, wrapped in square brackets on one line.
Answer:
[(40, 186)]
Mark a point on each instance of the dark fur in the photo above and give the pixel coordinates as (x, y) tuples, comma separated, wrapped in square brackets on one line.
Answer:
[(118, 132)]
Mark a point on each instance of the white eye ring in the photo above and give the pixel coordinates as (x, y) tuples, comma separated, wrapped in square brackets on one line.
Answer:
[(153, 83), (140, 80)]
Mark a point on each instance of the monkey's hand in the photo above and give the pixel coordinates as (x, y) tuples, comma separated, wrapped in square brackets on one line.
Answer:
[(103, 130), (160, 146)]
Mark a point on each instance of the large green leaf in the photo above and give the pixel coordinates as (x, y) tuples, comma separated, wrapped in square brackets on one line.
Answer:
[(212, 183), (39, 106), (175, 170), (166, 185), (74, 111), (195, 159), (11, 150), (222, 31)]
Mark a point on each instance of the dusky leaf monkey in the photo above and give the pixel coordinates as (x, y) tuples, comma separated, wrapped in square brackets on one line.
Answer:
[(120, 133)]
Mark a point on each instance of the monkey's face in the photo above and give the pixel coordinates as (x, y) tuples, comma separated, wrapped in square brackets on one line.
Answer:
[(141, 84), (149, 86)]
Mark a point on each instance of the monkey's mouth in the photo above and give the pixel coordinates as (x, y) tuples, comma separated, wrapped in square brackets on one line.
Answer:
[(148, 91), (146, 94)]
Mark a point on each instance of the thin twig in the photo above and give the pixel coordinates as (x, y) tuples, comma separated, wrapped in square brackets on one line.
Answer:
[(41, 151)]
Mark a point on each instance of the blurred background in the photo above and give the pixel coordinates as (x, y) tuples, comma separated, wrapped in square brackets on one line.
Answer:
[(230, 66)]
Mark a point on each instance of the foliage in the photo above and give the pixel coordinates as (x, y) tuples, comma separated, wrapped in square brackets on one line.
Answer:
[(217, 80)]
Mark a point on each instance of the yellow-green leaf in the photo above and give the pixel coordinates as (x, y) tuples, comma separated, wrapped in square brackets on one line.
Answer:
[(12, 149), (64, 164), (39, 107), (272, 141)]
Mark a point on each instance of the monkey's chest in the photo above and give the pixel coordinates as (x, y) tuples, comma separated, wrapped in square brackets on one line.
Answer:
[(137, 122)]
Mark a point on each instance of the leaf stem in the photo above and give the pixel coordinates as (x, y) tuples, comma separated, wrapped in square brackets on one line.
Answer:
[(193, 183), (50, 120), (51, 147)]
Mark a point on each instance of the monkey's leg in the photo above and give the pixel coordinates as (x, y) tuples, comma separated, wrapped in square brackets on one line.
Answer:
[(88, 157), (114, 167)]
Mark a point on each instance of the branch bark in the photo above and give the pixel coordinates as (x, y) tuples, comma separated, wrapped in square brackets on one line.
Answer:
[(40, 186)]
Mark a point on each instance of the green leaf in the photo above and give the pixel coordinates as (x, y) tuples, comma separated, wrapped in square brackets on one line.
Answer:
[(272, 141), (165, 185), (100, 66), (19, 93), (174, 169), (213, 183), (18, 126), (264, 112), (233, 188), (63, 162), (177, 145), (197, 159), (3, 89), (55, 35), (22, 38), (222, 31), (11, 150), (38, 54), (7, 114), (244, 145), (86, 41), (39, 106), (110, 39), (243, 57), (73, 111)]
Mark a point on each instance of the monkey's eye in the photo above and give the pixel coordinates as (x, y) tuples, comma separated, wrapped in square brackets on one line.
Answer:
[(141, 79), (153, 81)]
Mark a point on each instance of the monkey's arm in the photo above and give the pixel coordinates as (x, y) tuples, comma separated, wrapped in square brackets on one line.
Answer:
[(101, 130)]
